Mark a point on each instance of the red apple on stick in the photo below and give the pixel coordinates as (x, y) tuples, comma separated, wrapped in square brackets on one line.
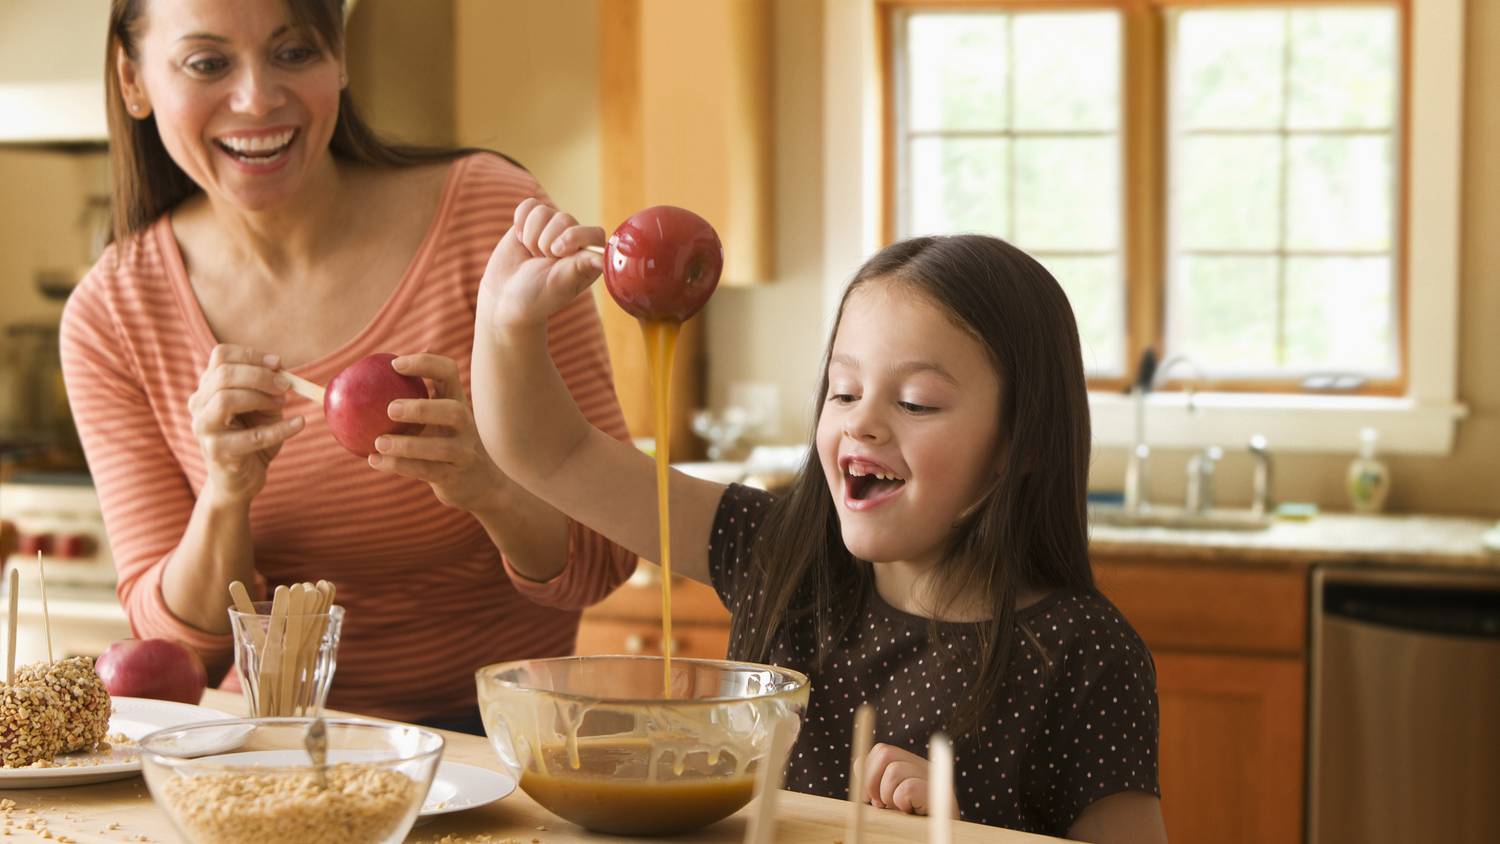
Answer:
[(163, 669), (356, 401), (663, 263)]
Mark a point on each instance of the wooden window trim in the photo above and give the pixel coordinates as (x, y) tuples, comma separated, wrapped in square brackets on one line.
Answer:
[(1143, 177)]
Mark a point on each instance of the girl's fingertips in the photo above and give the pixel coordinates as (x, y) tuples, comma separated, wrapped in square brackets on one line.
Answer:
[(374, 461), (595, 263), (396, 410), (296, 423), (282, 382), (271, 361), (383, 444), (399, 364)]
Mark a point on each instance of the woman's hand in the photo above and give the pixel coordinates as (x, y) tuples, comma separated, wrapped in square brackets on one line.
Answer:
[(238, 420), (897, 779), (538, 267), (447, 454)]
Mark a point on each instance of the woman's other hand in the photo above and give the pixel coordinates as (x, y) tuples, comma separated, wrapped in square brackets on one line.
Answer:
[(539, 266), (238, 420), (447, 454), (898, 779)]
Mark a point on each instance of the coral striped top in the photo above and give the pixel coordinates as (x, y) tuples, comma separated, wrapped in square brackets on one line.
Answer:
[(428, 598)]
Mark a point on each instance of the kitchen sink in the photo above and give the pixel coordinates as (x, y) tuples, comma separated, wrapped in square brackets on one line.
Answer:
[(1180, 518)]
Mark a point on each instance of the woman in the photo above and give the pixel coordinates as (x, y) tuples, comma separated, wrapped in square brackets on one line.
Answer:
[(261, 226)]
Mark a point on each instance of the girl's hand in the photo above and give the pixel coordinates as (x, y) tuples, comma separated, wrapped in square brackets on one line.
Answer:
[(238, 420), (538, 267), (447, 454), (897, 779)]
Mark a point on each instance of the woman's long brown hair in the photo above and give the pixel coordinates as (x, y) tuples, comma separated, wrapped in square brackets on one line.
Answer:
[(1029, 531), (147, 182)]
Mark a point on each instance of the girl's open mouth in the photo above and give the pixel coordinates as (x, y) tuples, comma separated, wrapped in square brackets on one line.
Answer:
[(868, 485)]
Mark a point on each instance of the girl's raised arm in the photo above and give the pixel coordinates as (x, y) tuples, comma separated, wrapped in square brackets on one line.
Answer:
[(526, 416)]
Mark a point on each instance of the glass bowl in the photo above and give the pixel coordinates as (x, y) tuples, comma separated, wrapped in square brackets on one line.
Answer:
[(267, 788), (597, 741)]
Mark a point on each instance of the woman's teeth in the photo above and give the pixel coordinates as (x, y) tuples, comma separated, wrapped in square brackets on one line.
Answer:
[(258, 149)]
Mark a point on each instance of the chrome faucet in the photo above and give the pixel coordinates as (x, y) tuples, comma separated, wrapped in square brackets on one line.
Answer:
[(1260, 501), (1148, 375)]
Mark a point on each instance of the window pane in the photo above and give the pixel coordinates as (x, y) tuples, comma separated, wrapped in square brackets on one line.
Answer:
[(960, 185), (1069, 67), (1341, 196), (957, 71), (1343, 68), (1222, 313), (1339, 315), (1096, 292), (1229, 69), (1067, 195), (1228, 193)]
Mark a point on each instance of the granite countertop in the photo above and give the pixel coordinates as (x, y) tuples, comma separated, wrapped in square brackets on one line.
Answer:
[(1447, 541)]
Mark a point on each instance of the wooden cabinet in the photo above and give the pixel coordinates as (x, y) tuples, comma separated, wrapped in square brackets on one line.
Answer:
[(629, 621), (1230, 644), (685, 119)]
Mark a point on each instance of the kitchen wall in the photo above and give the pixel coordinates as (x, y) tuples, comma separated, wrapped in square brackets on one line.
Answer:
[(535, 98)]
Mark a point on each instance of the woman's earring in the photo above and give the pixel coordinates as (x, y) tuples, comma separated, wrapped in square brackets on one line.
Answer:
[(343, 80)]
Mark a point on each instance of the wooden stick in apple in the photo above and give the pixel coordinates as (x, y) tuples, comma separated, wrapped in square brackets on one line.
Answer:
[(14, 588), (41, 573), (762, 829), (940, 790)]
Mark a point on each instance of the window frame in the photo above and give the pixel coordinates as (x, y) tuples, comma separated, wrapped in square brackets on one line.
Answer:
[(1416, 415), (1146, 169)]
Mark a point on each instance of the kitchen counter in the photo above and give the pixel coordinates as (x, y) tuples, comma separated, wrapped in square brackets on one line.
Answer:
[(1442, 541), (123, 811)]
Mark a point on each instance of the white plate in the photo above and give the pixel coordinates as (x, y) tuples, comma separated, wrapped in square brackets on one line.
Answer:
[(135, 717), (457, 787)]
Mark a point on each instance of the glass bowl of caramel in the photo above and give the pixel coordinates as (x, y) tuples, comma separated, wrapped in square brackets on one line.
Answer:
[(625, 745)]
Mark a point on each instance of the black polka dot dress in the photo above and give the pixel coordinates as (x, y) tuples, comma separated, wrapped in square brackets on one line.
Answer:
[(1059, 736)]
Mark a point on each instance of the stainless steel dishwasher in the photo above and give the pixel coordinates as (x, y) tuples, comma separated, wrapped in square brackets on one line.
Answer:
[(1404, 731)]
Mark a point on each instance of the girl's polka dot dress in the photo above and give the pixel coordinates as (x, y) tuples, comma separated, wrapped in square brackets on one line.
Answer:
[(1074, 722)]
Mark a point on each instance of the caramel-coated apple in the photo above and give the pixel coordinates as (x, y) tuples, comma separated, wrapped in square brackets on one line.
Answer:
[(663, 263)]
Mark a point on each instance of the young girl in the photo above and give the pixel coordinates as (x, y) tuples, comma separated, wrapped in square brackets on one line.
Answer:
[(932, 560)]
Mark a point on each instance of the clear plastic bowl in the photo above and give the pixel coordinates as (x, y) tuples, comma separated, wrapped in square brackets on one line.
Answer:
[(597, 741), (267, 788)]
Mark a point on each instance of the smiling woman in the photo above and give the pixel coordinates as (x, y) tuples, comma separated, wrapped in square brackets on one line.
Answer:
[(262, 230)]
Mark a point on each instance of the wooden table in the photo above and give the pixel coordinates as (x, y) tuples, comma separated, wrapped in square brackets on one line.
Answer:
[(84, 813)]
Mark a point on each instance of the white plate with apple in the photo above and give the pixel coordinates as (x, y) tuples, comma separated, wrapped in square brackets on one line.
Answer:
[(134, 718)]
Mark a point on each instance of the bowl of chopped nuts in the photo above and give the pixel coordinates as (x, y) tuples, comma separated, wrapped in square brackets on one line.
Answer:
[(366, 789)]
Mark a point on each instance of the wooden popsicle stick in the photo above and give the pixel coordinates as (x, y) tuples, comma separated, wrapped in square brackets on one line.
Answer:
[(303, 387), (312, 641), (762, 828), (597, 250), (939, 790), (326, 592), (41, 573), (241, 597), (14, 587), (270, 660), (292, 652), (864, 736)]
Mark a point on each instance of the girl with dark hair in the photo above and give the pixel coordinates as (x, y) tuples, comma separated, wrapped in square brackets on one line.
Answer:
[(931, 557), (261, 227)]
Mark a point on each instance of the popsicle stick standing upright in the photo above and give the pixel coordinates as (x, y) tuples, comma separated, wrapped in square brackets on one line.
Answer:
[(864, 736), (940, 790)]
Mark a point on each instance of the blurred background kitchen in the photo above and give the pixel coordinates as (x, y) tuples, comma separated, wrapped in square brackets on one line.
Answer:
[(1277, 223)]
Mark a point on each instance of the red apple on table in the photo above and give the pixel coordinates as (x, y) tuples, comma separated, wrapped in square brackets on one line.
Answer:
[(663, 263), (163, 669), (356, 399)]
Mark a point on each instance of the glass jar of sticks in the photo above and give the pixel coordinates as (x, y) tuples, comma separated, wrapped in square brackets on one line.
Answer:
[(286, 649)]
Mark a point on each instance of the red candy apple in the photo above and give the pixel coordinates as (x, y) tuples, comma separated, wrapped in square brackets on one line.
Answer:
[(356, 400), (156, 668), (662, 263)]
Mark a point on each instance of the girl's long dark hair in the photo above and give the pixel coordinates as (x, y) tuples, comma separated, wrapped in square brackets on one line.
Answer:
[(147, 182), (1029, 531)]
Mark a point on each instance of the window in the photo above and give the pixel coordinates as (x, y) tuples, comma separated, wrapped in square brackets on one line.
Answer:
[(1003, 133), (1216, 182)]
